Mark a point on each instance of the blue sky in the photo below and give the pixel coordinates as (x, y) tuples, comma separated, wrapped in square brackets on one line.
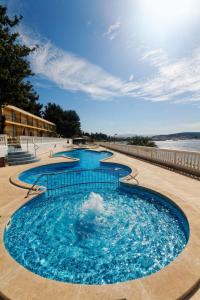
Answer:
[(126, 67)]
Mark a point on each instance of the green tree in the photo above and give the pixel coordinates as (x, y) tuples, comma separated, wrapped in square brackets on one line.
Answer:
[(141, 141), (99, 136), (53, 113), (72, 125), (67, 121), (2, 124), (15, 89)]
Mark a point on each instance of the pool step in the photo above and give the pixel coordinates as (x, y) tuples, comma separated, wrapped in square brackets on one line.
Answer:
[(20, 158), (23, 163), (17, 152), (19, 155)]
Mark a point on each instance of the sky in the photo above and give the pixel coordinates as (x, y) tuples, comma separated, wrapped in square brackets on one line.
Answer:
[(125, 66)]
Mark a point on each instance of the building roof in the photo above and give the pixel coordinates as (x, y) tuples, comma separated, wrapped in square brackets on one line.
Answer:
[(28, 114)]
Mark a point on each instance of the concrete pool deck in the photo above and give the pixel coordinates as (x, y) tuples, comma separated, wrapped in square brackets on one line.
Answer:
[(175, 281)]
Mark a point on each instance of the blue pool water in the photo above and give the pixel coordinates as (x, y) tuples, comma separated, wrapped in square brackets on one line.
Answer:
[(87, 160), (97, 233)]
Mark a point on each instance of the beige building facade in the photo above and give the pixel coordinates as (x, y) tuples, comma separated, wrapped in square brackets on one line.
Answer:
[(18, 122)]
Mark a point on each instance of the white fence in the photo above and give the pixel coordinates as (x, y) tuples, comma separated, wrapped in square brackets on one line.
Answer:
[(39, 145), (3, 140), (185, 161), (43, 140), (35, 143), (3, 145)]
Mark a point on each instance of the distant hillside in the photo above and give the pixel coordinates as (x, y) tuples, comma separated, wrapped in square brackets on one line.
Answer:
[(177, 136)]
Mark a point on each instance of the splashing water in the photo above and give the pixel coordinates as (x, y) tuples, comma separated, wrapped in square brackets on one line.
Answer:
[(94, 204)]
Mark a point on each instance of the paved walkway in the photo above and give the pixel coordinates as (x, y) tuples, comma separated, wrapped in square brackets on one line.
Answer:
[(169, 283)]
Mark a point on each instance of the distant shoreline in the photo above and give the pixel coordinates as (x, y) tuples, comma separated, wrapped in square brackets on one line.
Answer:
[(177, 139), (181, 144), (177, 136)]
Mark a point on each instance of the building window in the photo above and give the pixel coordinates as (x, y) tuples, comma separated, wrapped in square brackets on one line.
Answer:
[(13, 116)]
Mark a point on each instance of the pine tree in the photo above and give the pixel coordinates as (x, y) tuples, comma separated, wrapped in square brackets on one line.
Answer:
[(67, 121), (15, 89)]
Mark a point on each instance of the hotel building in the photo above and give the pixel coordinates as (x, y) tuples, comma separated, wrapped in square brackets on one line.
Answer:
[(18, 122)]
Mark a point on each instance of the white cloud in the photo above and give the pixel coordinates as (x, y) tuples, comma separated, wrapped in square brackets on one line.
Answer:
[(131, 77), (176, 81), (42, 85), (157, 57), (70, 72), (113, 30)]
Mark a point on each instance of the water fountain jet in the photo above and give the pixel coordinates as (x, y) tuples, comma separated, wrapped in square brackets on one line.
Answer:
[(94, 204)]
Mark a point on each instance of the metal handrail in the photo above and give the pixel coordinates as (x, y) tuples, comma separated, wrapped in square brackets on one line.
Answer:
[(34, 184), (36, 147), (129, 177)]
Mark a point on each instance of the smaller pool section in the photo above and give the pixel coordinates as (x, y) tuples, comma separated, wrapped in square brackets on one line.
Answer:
[(87, 160), (97, 236)]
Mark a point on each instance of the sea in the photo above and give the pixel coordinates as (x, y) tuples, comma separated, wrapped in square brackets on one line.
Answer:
[(187, 145)]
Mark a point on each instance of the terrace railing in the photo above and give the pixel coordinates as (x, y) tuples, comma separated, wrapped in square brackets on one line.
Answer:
[(185, 161), (3, 140), (41, 140), (73, 180), (34, 143)]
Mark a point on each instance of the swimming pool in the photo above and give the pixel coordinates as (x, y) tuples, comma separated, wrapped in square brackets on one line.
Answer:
[(97, 234), (87, 159)]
